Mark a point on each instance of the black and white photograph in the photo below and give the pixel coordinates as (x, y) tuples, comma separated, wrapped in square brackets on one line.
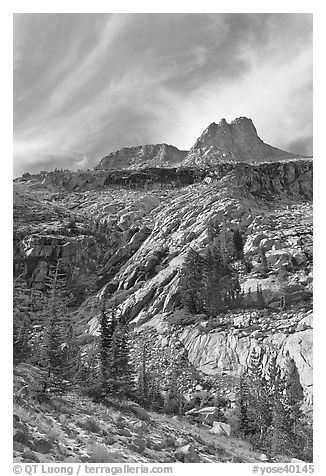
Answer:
[(162, 241)]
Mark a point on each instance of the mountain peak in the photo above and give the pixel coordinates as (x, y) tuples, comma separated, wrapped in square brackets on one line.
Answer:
[(236, 141)]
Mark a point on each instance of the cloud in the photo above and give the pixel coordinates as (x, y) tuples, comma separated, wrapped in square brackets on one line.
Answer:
[(87, 84)]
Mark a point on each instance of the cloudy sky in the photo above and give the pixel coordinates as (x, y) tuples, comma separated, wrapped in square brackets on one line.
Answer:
[(89, 84)]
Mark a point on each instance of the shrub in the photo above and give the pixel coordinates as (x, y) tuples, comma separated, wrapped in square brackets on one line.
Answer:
[(91, 425), (181, 317), (100, 454)]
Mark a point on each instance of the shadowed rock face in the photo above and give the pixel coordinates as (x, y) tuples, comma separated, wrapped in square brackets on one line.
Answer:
[(152, 155), (235, 142)]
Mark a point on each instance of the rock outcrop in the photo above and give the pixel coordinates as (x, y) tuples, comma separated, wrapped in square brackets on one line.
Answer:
[(152, 155), (235, 142)]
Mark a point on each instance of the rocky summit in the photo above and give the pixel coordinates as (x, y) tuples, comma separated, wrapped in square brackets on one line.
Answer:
[(158, 155), (122, 237), (235, 142)]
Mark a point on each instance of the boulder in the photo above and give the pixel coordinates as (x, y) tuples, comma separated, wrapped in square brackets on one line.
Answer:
[(141, 413), (220, 428), (18, 446), (263, 457), (187, 454), (42, 445), (269, 244), (169, 441), (252, 244), (276, 259), (30, 455), (22, 437), (305, 323), (140, 443), (299, 257), (123, 432), (72, 459), (269, 286)]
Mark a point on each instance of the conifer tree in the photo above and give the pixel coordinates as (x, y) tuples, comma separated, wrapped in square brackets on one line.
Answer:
[(22, 325), (174, 401), (60, 352), (238, 244), (21, 340), (156, 401), (257, 404), (221, 287), (213, 231), (191, 285), (287, 416), (270, 413), (263, 261), (143, 379), (107, 364), (260, 297), (244, 405), (122, 372)]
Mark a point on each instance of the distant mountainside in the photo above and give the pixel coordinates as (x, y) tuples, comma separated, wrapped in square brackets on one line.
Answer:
[(222, 142), (157, 155)]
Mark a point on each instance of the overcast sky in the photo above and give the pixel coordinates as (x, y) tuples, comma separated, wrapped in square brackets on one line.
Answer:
[(89, 84)]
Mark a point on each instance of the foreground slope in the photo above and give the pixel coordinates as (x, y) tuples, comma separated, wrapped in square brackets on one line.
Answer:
[(74, 429)]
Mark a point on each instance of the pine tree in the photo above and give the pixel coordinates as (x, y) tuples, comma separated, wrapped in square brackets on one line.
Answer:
[(21, 340), (122, 372), (221, 287), (174, 401), (191, 287), (270, 413), (244, 405), (22, 324), (60, 352), (213, 231), (224, 243), (257, 405), (286, 398), (260, 298), (143, 379), (108, 369), (238, 244), (156, 400), (214, 294), (263, 261)]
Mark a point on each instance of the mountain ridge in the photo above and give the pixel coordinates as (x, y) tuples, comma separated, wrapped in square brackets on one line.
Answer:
[(236, 141)]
